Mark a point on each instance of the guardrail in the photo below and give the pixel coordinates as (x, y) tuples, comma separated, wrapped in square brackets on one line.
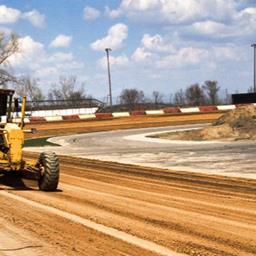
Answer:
[(165, 111)]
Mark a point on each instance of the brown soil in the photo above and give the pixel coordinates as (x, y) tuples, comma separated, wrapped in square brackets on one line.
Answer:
[(188, 213), (72, 127), (238, 124), (195, 214)]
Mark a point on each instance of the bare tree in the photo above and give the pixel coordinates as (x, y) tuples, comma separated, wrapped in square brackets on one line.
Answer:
[(211, 88), (66, 90), (179, 98), (131, 97), (29, 87), (195, 95), (157, 97), (9, 45)]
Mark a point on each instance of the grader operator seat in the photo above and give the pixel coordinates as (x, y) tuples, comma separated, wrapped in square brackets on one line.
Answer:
[(6, 103)]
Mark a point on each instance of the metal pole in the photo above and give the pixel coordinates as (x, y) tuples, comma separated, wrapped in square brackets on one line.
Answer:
[(109, 76), (254, 72)]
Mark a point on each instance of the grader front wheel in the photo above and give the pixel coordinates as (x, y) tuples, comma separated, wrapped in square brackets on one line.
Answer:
[(49, 171)]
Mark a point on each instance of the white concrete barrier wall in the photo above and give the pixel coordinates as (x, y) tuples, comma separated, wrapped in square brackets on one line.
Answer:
[(226, 107), (89, 113), (53, 118), (189, 110), (87, 116), (63, 112), (120, 114), (154, 112)]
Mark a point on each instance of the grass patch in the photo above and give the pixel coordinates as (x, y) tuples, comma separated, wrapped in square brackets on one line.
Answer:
[(39, 142)]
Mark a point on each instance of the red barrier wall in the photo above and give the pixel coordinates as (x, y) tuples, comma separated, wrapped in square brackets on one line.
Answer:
[(172, 110), (37, 119), (137, 113), (208, 108), (103, 115), (71, 117)]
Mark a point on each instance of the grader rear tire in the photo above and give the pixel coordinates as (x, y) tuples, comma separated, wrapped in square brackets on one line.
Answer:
[(49, 177)]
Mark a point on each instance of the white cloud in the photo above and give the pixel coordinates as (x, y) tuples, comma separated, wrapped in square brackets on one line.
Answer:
[(46, 72), (150, 47), (30, 52), (245, 21), (156, 52), (91, 13), (66, 66), (61, 41), (5, 30), (194, 10), (215, 18), (32, 59), (113, 13), (183, 57), (243, 24), (35, 18), (223, 18), (176, 11), (228, 52), (210, 28), (121, 60), (114, 39), (8, 15), (61, 57), (141, 54), (156, 43), (141, 5)]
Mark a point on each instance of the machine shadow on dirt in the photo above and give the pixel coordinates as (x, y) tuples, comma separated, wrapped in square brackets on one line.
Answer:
[(16, 181)]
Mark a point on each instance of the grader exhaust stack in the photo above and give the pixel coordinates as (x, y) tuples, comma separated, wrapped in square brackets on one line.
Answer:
[(46, 168)]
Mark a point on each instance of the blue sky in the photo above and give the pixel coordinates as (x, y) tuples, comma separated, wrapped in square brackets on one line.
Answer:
[(162, 45)]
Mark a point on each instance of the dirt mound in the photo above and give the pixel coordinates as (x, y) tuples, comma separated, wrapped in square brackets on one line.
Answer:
[(237, 124)]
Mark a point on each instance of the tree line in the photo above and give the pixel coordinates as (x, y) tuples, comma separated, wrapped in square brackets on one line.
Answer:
[(193, 95)]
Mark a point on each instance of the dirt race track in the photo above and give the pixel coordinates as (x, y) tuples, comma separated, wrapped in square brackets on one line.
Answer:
[(71, 127), (105, 208)]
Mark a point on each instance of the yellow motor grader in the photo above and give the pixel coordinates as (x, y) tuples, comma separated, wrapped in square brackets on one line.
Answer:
[(45, 169)]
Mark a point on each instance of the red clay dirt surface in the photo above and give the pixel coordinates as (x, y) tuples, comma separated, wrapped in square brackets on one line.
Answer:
[(106, 208)]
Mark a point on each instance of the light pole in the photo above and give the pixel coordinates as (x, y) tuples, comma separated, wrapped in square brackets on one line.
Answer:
[(109, 76), (254, 69)]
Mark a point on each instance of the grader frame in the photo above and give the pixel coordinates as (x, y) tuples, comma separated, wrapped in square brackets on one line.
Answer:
[(12, 137)]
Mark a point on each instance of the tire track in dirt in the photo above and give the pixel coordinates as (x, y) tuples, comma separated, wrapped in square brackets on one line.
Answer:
[(189, 213), (144, 244), (172, 210)]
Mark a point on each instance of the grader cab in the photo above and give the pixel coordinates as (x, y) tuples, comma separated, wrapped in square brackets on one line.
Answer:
[(45, 169)]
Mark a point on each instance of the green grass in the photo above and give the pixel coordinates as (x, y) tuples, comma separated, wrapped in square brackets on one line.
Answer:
[(39, 142)]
